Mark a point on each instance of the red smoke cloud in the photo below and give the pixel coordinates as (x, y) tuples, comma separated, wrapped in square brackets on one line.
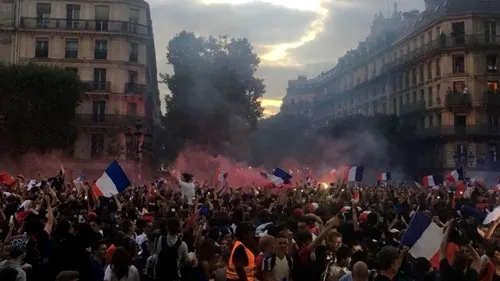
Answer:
[(204, 167)]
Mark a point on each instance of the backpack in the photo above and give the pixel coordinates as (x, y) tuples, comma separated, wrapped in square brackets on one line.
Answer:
[(167, 267), (271, 261), (288, 260)]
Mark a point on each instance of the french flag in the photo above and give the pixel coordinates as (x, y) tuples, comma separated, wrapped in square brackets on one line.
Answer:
[(456, 175), (384, 176), (423, 237), (274, 180), (221, 176), (278, 172), (355, 173), (113, 181), (80, 179), (430, 180)]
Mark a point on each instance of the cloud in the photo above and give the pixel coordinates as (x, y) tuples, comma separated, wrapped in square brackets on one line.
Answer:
[(293, 37)]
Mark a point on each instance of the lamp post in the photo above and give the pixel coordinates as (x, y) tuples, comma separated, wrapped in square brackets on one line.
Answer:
[(138, 140)]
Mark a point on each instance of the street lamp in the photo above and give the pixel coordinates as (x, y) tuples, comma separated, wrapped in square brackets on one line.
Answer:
[(138, 142)]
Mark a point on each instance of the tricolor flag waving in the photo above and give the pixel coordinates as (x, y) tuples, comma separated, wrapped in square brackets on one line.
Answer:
[(423, 237), (384, 176), (278, 178), (456, 175), (355, 173), (113, 181), (431, 180)]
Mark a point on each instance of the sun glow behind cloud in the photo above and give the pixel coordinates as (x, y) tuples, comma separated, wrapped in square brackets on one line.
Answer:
[(277, 54)]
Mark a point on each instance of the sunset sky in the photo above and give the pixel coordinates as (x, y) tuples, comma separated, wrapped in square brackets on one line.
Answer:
[(292, 37)]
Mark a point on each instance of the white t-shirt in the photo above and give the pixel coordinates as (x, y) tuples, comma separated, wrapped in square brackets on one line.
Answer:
[(281, 269), (133, 274)]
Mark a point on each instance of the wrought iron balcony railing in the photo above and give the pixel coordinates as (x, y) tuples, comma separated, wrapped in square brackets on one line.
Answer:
[(85, 25), (472, 130), (458, 101), (97, 86), (134, 88), (105, 120)]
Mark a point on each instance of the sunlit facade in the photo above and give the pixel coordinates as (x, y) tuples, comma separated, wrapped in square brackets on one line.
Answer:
[(438, 69), (109, 44)]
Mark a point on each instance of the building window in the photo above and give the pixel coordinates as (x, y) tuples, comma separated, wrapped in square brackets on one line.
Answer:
[(492, 63), (493, 86), (429, 70), (394, 106), (414, 97), (42, 48), (98, 111), (101, 50), (414, 77), (72, 16), (400, 101), (97, 145), (422, 95), (100, 83), (133, 55), (438, 68), (43, 11), (458, 32), (490, 31), (132, 109), (438, 119), (458, 64), (430, 96), (407, 99), (438, 94), (421, 73), (133, 20), (429, 35), (431, 120), (101, 18), (71, 49)]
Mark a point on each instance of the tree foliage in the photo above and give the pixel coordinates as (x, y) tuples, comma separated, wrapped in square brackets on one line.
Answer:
[(214, 99), (37, 108)]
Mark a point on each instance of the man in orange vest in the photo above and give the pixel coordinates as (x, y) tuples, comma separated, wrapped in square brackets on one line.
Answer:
[(242, 260)]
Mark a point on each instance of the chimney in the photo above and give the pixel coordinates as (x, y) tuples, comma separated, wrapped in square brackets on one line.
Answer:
[(410, 15)]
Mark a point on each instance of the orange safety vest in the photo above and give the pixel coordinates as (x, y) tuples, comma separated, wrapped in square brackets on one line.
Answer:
[(249, 269)]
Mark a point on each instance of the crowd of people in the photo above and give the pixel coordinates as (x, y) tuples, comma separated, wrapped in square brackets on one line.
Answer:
[(56, 229)]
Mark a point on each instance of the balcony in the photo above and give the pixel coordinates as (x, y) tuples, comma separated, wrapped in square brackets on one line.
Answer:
[(135, 89), (410, 108), (472, 130), (107, 120), (85, 25), (97, 86), (458, 102)]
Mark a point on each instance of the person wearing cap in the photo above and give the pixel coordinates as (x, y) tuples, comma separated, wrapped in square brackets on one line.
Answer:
[(241, 261), (16, 255), (67, 275)]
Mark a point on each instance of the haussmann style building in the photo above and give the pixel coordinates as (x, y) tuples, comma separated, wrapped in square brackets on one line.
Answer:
[(110, 45), (438, 69)]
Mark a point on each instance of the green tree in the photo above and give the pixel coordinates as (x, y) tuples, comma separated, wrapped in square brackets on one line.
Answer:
[(37, 108), (214, 101)]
